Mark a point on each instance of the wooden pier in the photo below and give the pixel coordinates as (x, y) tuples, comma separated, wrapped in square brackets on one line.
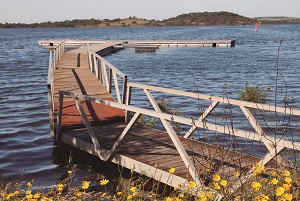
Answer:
[(89, 108)]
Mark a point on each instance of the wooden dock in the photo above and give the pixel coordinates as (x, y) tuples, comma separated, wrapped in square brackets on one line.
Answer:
[(85, 114)]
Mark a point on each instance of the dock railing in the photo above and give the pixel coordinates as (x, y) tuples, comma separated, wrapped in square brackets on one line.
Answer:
[(273, 145), (108, 75), (55, 54)]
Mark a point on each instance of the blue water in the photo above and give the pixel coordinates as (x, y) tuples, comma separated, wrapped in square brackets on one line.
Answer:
[(25, 141)]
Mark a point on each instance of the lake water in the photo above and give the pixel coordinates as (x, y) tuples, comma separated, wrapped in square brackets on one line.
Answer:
[(25, 141)]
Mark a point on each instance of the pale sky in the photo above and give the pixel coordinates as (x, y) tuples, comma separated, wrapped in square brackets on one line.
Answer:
[(31, 11)]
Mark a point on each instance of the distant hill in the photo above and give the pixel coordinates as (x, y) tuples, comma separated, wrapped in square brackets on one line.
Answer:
[(190, 19), (278, 20)]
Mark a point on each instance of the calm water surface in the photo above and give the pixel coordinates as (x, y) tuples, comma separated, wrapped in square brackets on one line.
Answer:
[(25, 142)]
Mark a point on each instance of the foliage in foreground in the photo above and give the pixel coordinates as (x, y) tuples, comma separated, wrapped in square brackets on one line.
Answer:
[(253, 94), (265, 184)]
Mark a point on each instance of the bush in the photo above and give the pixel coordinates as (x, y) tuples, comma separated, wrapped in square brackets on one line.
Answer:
[(253, 94)]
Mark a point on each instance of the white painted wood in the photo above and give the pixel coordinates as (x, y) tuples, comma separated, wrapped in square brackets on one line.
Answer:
[(117, 87), (121, 138), (129, 163), (172, 134), (187, 121), (88, 127), (59, 116), (201, 118), (214, 98)]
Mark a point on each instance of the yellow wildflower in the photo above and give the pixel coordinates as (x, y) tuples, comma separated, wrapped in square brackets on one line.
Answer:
[(236, 174), (286, 173), (119, 193), (172, 170), (85, 185), (216, 177), (69, 172), (217, 186), (133, 189), (192, 184), (288, 180), (169, 199), (256, 185), (29, 184), (262, 197), (129, 197), (288, 196), (78, 193), (202, 195), (223, 182), (36, 196), (274, 181), (9, 196), (16, 193), (208, 194), (287, 186), (273, 173), (103, 182), (258, 168), (279, 191), (181, 195), (60, 187)]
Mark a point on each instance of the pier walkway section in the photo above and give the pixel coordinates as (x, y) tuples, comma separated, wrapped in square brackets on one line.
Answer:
[(89, 109)]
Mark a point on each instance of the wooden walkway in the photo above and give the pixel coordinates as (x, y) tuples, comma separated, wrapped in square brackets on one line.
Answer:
[(87, 117)]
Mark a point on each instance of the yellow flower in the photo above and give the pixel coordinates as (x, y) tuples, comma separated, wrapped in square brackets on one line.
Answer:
[(208, 194), (216, 186), (288, 180), (129, 197), (274, 181), (36, 196), (288, 196), (192, 184), (16, 193), (181, 195), (286, 173), (262, 197), (287, 186), (279, 191), (172, 170), (69, 172), (273, 173), (256, 185), (236, 174), (258, 168), (28, 192), (103, 182), (223, 182), (85, 185), (9, 196), (78, 193), (202, 195), (119, 193), (29, 184), (133, 189), (169, 199), (216, 177), (60, 187)]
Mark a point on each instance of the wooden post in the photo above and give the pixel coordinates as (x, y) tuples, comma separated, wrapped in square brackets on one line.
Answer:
[(59, 116), (124, 90), (110, 80), (128, 96)]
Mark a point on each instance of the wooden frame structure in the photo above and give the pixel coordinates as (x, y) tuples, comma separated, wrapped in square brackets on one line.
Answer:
[(108, 75)]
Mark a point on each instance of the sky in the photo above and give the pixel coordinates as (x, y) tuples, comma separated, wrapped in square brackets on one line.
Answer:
[(32, 11)]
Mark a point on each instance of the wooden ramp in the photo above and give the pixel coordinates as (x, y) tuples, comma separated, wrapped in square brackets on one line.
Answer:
[(90, 110)]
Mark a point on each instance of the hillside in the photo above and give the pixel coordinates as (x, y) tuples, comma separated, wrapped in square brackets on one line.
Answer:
[(190, 19)]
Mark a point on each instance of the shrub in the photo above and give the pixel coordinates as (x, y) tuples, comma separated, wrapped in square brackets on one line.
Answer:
[(253, 94)]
